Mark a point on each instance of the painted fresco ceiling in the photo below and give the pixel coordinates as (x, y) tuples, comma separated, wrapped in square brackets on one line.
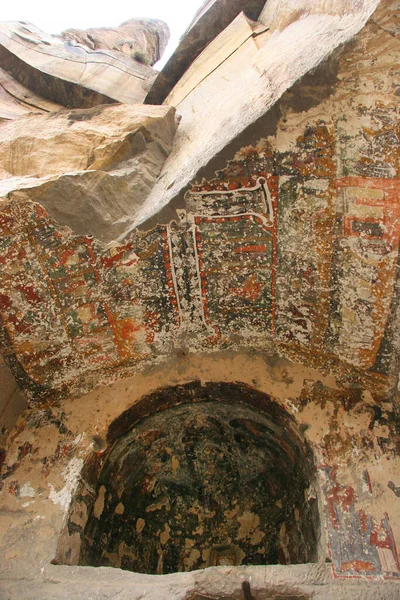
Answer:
[(291, 248), (261, 258)]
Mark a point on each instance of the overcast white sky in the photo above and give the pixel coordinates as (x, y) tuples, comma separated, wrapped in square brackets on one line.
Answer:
[(53, 17)]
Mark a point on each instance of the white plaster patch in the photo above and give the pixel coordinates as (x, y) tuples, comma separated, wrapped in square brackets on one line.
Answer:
[(71, 475), (26, 491), (79, 439), (321, 185)]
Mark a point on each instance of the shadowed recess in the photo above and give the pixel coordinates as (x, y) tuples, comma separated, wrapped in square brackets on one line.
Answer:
[(204, 483)]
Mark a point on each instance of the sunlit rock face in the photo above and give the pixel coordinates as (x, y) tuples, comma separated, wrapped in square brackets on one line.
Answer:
[(73, 74), (279, 14), (91, 169), (143, 40)]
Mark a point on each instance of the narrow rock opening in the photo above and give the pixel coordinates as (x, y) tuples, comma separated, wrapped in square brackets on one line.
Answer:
[(208, 482)]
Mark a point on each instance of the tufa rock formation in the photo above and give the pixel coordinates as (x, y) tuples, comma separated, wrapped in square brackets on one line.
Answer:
[(200, 306)]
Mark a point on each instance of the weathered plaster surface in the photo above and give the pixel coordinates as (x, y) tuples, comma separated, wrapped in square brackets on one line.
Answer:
[(12, 403)]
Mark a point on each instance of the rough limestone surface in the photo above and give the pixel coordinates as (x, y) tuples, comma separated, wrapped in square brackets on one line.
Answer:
[(211, 18), (68, 73), (278, 14), (17, 100), (92, 169), (143, 40)]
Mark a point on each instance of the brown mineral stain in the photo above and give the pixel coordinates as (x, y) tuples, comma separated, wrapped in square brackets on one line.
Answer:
[(140, 523), (79, 514), (164, 535), (199, 530), (120, 509), (191, 560), (157, 505), (175, 465), (231, 514), (257, 537), (248, 523), (99, 504)]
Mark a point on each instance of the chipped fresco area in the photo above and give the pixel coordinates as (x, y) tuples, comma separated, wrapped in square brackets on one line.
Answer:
[(353, 452), (233, 246), (69, 306), (226, 273), (358, 544), (368, 254), (294, 245)]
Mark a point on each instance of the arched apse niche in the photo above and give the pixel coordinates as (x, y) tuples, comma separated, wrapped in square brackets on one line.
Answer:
[(217, 474)]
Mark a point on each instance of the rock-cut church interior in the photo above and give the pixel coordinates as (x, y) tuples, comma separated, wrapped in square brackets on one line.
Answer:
[(200, 306)]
